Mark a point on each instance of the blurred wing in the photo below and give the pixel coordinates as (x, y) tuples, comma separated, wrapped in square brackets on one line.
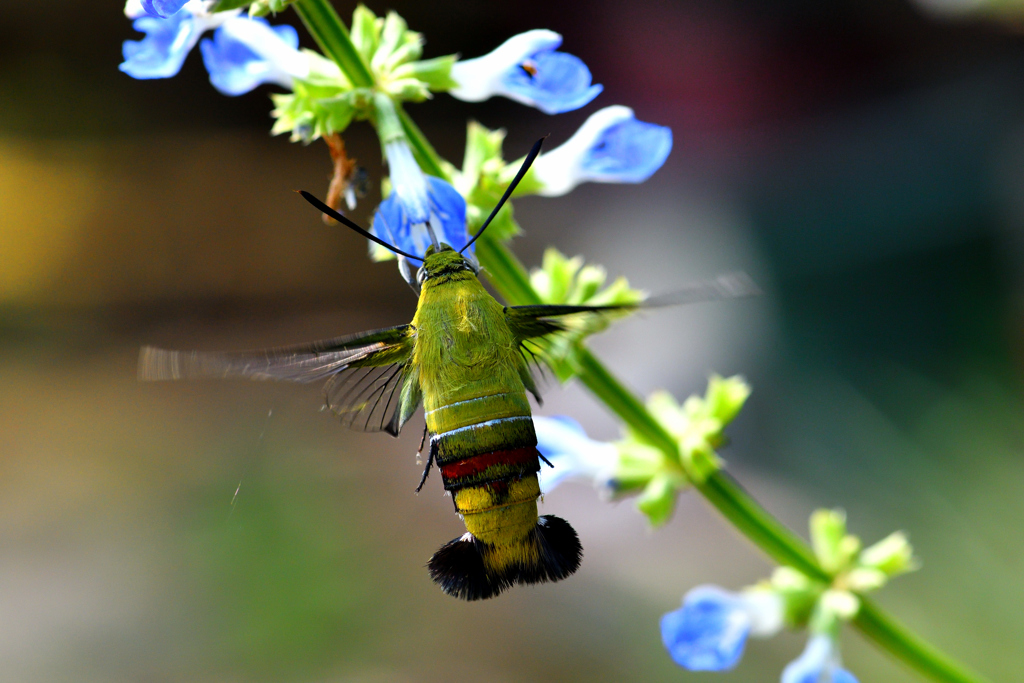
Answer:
[(363, 370), (530, 322)]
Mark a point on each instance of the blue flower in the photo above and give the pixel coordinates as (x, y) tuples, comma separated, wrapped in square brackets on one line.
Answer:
[(819, 663), (168, 41), (416, 202), (526, 68), (610, 147), (574, 455), (709, 631), (162, 8), (247, 52)]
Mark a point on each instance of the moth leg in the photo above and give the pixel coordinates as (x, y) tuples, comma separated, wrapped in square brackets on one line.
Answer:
[(430, 459), (423, 440), (426, 471)]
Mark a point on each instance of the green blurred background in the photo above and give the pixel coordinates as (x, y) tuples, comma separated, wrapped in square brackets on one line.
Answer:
[(863, 160)]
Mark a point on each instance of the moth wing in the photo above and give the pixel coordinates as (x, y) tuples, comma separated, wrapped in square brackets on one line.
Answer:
[(531, 322), (363, 371)]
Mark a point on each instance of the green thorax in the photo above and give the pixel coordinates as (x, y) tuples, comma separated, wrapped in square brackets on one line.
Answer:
[(464, 348)]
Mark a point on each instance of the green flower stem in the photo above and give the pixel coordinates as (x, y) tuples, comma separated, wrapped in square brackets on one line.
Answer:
[(329, 32), (510, 278), (759, 526), (893, 636)]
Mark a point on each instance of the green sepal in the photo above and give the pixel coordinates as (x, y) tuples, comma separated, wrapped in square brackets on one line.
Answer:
[(638, 464), (258, 8), (391, 51), (365, 29), (503, 227), (482, 180), (562, 280), (312, 110), (893, 555), (834, 548), (865, 579), (658, 499), (435, 73), (695, 426), (799, 595), (396, 45), (725, 397)]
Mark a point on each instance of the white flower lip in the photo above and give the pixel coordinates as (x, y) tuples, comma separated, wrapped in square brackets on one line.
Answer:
[(561, 170), (573, 454), (133, 9), (481, 78), (407, 181), (285, 61), (766, 611)]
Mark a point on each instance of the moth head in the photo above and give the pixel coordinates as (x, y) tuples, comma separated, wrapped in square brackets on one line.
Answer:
[(445, 263)]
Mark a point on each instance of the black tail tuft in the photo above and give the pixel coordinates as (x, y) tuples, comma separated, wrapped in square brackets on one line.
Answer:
[(458, 567), (462, 569), (560, 551)]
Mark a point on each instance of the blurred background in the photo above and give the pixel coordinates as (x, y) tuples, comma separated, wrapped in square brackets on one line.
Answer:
[(863, 160)]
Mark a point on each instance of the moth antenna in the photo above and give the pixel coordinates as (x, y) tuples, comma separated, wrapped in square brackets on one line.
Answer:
[(323, 208), (527, 162)]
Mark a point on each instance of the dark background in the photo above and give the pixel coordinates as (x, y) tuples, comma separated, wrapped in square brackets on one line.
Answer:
[(864, 161)]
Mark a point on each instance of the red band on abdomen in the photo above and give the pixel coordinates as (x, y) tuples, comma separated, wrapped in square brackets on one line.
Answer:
[(479, 463)]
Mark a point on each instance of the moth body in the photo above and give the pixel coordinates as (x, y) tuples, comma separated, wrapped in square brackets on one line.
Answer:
[(474, 380)]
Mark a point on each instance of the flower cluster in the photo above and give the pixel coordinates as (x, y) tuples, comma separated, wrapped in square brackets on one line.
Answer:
[(246, 51), (374, 68), (635, 466), (710, 630)]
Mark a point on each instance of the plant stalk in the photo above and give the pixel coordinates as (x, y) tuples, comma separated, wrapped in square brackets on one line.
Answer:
[(511, 279)]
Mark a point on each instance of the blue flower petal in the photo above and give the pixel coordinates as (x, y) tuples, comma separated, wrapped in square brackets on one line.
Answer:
[(450, 208), (628, 152), (162, 52), (234, 67), (709, 632), (843, 676), (561, 82), (162, 8), (447, 213)]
